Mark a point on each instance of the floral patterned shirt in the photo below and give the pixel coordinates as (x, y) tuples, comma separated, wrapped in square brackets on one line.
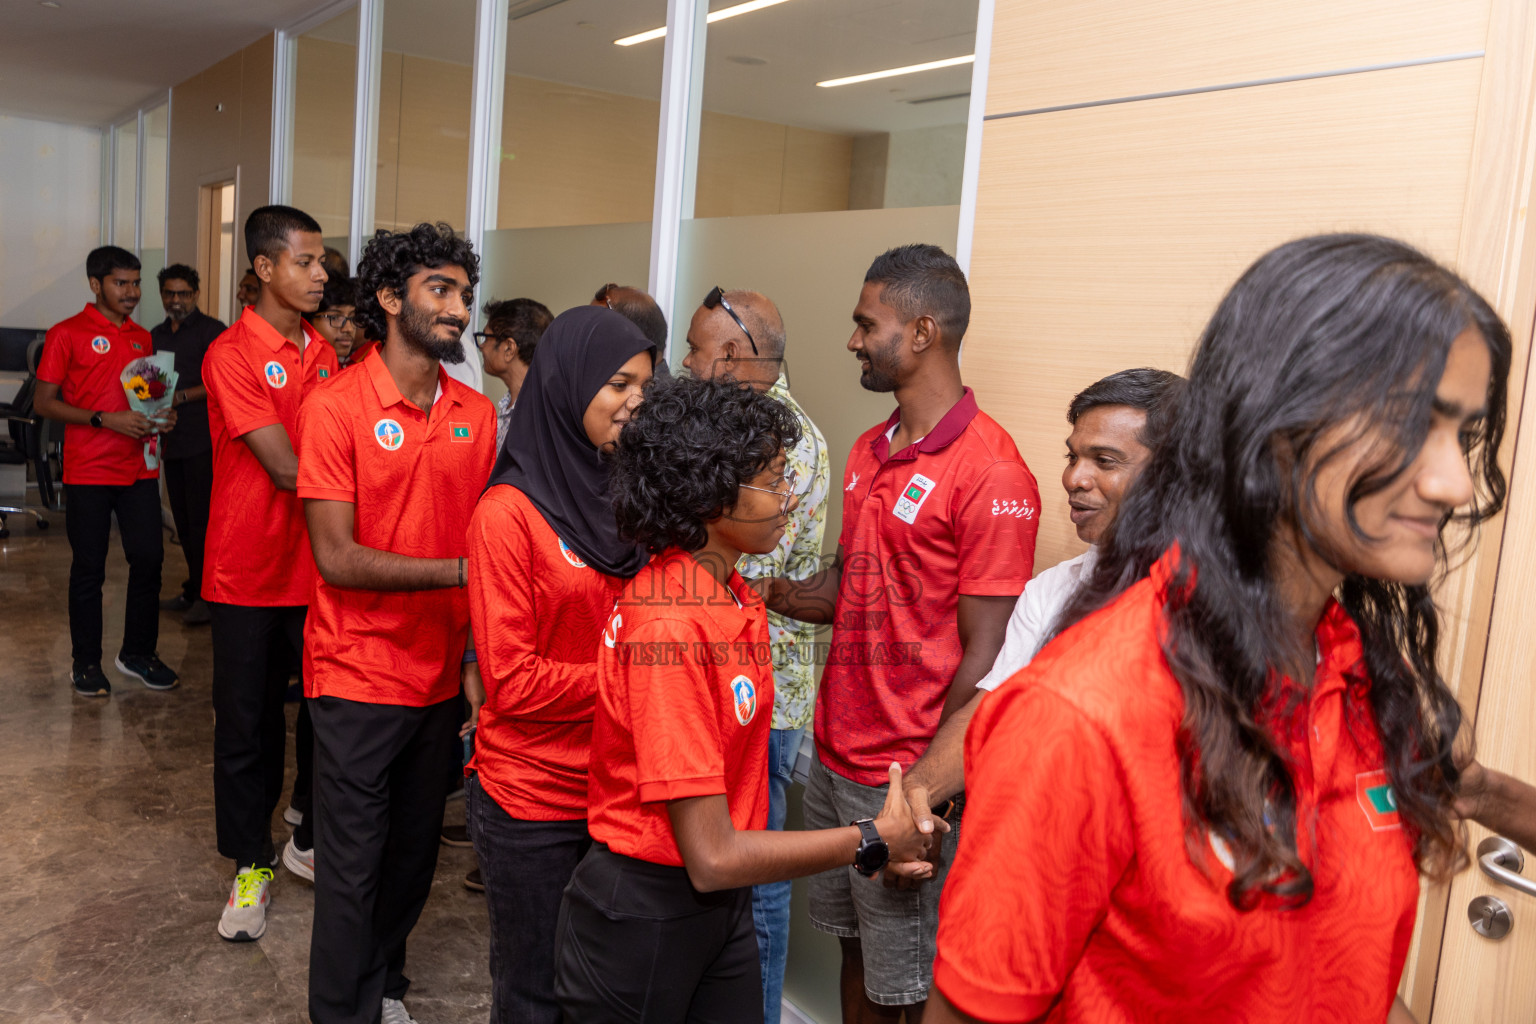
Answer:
[(798, 557)]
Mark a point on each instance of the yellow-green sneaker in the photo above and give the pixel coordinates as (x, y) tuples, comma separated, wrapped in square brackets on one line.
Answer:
[(245, 915)]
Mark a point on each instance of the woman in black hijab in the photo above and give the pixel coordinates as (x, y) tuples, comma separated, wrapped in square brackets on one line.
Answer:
[(545, 566)]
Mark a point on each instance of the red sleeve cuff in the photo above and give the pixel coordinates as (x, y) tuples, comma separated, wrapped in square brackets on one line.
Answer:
[(681, 789), (326, 494), (239, 428), (986, 1003), (994, 588)]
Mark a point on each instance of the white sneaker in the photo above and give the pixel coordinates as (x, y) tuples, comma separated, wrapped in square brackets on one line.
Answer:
[(245, 915), (292, 816), (300, 862), (396, 1013)]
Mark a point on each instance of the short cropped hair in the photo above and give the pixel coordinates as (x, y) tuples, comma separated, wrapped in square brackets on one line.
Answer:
[(524, 319), (918, 280), (684, 454), (100, 263), (1155, 392), (268, 227), (394, 257), (636, 305), (179, 272)]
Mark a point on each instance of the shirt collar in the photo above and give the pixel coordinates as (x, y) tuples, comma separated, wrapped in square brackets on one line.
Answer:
[(388, 393), (949, 427), (274, 339), (99, 318), (697, 581)]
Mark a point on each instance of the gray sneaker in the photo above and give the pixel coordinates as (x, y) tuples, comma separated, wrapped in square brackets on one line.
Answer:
[(245, 915), (396, 1013), (300, 862)]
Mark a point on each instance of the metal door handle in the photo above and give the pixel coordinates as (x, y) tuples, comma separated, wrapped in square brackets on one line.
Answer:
[(1501, 860)]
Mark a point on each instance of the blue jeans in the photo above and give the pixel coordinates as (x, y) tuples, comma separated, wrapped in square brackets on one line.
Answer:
[(770, 903)]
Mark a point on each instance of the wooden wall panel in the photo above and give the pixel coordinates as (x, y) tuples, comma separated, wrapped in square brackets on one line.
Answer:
[(741, 166), (1047, 53), (817, 166), (1105, 236), (433, 171), (324, 104)]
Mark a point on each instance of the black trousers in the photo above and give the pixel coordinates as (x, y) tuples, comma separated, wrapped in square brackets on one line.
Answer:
[(88, 522), (254, 650), (526, 866), (381, 779), (637, 944), (303, 799), (189, 485)]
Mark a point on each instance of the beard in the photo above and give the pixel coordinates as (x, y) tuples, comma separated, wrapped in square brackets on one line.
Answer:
[(883, 362), (417, 330)]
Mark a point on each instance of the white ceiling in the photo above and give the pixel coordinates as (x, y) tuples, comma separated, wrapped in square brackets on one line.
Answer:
[(90, 60)]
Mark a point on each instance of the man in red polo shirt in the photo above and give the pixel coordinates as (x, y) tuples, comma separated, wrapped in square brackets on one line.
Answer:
[(79, 383), (396, 453), (257, 569), (938, 540)]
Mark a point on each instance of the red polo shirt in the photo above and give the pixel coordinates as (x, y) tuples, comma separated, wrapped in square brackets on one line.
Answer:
[(85, 356), (538, 612), (1074, 893), (954, 513), (414, 479), (684, 706), (258, 547)]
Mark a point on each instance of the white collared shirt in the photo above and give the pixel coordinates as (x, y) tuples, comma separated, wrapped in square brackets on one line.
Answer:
[(1035, 613)]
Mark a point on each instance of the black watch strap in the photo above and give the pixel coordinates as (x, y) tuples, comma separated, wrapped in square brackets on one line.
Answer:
[(873, 854), (95, 419)]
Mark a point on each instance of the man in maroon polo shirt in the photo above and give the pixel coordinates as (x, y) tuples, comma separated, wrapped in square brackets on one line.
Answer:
[(938, 540), (79, 383)]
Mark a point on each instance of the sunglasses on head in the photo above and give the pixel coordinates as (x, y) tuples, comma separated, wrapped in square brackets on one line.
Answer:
[(716, 297)]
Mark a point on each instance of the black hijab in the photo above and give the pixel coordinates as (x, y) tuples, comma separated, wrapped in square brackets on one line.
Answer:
[(548, 455)]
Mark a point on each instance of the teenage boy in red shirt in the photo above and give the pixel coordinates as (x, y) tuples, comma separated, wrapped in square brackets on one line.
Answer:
[(396, 453), (257, 567), (79, 383), (938, 541)]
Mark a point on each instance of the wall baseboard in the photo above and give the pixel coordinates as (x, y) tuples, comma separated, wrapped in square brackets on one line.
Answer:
[(792, 1014)]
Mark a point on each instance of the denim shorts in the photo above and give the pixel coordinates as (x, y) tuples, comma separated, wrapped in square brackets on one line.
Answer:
[(895, 929)]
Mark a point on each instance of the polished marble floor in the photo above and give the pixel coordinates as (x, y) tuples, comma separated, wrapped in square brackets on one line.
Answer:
[(110, 886)]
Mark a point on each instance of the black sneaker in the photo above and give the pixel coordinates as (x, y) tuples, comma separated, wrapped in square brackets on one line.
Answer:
[(455, 835), (475, 881), (148, 669), (90, 682), (197, 614), (179, 603)]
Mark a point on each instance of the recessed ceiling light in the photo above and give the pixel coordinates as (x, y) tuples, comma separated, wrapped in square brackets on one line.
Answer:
[(751, 62), (714, 16), (50, 3), (931, 65)]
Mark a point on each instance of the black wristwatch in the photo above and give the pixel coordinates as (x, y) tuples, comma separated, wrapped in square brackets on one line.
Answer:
[(95, 419), (872, 855)]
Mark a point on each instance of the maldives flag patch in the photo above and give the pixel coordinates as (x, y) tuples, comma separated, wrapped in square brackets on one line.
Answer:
[(460, 432), (1374, 793)]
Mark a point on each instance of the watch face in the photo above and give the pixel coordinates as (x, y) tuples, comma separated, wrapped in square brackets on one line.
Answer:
[(872, 857)]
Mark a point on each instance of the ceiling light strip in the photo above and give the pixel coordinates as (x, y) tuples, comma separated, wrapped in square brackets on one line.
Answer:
[(910, 69), (714, 16)]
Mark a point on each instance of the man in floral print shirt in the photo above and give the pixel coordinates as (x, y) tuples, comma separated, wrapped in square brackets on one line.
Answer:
[(740, 334)]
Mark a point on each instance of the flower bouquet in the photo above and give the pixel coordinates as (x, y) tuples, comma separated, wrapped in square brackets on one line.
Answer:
[(151, 386)]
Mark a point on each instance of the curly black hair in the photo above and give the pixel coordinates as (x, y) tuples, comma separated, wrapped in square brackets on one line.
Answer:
[(394, 257), (683, 455)]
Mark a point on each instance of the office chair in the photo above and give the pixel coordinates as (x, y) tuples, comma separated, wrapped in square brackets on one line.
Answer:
[(26, 445)]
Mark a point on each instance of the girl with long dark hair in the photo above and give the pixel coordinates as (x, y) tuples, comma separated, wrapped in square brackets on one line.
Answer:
[(546, 564), (1211, 796)]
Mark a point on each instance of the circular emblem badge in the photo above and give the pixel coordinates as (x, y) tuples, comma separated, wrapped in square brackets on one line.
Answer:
[(388, 434), (276, 375), (570, 556), (100, 345), (745, 694)]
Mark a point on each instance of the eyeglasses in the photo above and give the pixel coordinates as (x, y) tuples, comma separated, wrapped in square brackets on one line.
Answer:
[(486, 338), (716, 297), (784, 496), (338, 320)]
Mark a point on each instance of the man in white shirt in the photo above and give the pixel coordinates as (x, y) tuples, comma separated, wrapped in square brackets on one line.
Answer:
[(1115, 425)]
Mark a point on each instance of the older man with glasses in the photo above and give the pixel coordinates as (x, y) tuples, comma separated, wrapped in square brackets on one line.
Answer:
[(740, 334), (186, 452)]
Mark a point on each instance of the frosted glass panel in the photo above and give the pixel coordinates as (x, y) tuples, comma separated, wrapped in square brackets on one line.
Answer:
[(157, 137), (324, 106), (125, 182), (150, 312)]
